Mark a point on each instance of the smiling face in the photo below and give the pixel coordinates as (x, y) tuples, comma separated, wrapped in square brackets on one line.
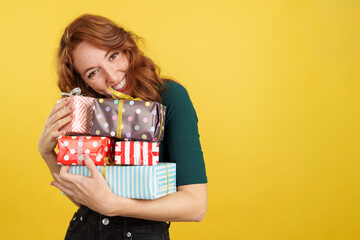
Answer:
[(100, 68)]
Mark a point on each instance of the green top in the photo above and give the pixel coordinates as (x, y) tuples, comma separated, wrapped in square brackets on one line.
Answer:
[(181, 143)]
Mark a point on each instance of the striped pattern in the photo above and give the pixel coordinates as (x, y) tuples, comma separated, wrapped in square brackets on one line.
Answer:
[(136, 153), (83, 112), (137, 182)]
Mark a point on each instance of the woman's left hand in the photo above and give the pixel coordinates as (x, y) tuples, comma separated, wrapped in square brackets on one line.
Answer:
[(92, 192)]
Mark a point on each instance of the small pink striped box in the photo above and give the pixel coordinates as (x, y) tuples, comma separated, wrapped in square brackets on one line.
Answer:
[(83, 113), (136, 153)]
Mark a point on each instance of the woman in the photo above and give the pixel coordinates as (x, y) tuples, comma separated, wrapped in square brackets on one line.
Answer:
[(94, 54)]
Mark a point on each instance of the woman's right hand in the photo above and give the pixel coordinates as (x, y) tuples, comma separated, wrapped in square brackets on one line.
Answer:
[(59, 116)]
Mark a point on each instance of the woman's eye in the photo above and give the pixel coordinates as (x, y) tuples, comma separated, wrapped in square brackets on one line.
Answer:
[(92, 74), (113, 56)]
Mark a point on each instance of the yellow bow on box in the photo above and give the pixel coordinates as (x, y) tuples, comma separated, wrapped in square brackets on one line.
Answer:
[(119, 95)]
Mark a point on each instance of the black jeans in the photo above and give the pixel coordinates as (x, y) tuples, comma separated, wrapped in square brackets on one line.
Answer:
[(89, 225)]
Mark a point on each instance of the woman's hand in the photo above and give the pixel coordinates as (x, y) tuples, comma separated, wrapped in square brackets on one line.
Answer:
[(92, 192), (59, 116)]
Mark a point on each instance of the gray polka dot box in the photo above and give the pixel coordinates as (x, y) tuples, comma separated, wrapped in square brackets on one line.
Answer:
[(117, 118), (128, 119)]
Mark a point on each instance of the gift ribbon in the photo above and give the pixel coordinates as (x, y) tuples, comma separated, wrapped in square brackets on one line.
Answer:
[(167, 179), (103, 171), (119, 95), (119, 122), (80, 150), (75, 92), (162, 119), (106, 159)]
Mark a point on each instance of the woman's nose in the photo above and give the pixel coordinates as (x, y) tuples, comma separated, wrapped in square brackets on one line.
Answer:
[(111, 75)]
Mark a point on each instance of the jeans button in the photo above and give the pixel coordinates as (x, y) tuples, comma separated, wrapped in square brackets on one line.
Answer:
[(128, 234), (105, 221)]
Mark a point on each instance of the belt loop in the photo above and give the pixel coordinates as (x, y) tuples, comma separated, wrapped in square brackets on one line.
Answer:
[(83, 210)]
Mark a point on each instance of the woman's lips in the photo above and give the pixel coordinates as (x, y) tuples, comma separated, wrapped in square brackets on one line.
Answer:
[(121, 85)]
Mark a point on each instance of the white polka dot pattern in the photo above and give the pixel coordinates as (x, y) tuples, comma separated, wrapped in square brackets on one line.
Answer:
[(72, 151), (140, 120)]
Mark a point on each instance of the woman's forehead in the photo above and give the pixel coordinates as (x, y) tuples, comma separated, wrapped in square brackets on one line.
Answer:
[(86, 54)]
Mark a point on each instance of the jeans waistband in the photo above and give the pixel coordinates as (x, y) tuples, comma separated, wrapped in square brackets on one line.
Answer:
[(87, 213)]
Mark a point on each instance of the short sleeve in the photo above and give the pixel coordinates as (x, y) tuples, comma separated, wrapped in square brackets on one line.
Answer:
[(181, 143)]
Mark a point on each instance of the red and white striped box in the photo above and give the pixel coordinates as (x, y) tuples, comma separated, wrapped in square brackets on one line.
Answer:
[(83, 112), (136, 153)]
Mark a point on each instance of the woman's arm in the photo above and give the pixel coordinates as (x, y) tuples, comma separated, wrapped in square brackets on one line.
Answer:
[(189, 203), (59, 116), (54, 168)]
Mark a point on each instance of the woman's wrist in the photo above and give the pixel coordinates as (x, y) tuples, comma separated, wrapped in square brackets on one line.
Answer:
[(118, 206), (48, 155)]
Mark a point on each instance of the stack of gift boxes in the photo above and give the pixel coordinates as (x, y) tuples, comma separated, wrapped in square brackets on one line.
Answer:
[(121, 136)]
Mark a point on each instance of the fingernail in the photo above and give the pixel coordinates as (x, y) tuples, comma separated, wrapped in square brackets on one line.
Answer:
[(52, 183)]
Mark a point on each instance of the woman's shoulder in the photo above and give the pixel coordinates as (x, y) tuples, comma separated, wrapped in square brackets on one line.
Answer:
[(174, 91)]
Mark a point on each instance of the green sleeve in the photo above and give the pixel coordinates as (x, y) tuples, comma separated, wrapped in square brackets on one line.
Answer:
[(181, 143)]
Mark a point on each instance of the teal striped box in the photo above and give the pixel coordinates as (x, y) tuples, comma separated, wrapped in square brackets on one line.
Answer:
[(138, 182)]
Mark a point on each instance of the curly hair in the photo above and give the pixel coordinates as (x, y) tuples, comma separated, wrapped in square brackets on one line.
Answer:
[(143, 74)]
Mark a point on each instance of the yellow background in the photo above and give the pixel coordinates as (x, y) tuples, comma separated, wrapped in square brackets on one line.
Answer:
[(276, 89)]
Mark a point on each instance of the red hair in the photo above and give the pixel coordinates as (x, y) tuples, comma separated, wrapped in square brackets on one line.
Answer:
[(143, 75)]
